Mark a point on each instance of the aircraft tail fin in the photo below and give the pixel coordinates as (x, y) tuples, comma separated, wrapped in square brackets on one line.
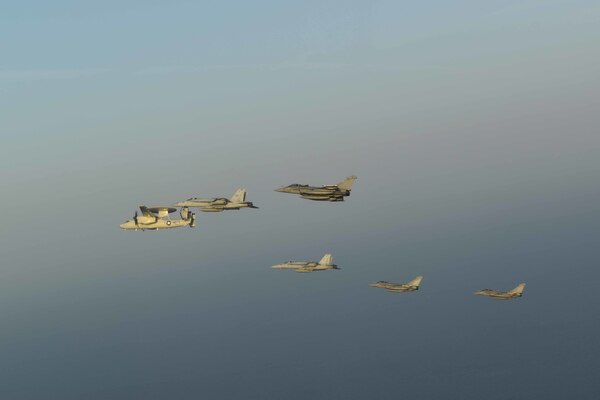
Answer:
[(239, 196), (519, 289), (346, 184), (185, 213), (416, 282), (326, 260)]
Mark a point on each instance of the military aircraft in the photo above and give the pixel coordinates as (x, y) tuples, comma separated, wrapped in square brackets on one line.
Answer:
[(237, 201), (153, 218), (309, 266), (495, 294), (399, 287), (321, 193)]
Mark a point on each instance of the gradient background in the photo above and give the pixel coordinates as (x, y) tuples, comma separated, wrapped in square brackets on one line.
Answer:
[(473, 128)]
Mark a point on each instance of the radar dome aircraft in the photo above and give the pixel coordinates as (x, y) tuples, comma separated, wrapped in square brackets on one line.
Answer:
[(237, 201), (498, 295), (399, 287), (321, 193), (325, 263), (155, 218)]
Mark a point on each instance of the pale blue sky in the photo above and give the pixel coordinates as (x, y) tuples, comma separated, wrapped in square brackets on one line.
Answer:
[(473, 129)]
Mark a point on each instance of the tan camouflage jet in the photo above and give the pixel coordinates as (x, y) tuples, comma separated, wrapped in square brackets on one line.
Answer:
[(498, 295), (237, 201), (321, 193), (399, 287), (309, 266), (155, 218)]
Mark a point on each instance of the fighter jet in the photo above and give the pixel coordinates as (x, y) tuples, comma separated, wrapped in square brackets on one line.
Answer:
[(309, 266), (399, 287), (237, 201), (321, 193), (498, 295), (153, 218)]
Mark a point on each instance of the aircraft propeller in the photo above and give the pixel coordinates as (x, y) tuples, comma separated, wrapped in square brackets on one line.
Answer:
[(135, 218), (192, 220)]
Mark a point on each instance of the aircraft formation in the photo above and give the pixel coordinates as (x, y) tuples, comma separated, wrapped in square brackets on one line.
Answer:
[(158, 217)]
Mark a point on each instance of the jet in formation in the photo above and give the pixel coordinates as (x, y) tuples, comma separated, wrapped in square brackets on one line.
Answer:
[(321, 193), (399, 287), (496, 294), (237, 201), (309, 266), (155, 218)]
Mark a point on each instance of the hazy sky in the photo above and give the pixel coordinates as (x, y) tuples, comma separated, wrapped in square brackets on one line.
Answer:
[(473, 129)]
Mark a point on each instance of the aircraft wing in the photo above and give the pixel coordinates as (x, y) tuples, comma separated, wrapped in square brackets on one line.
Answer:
[(304, 269), (212, 208), (220, 201), (315, 191)]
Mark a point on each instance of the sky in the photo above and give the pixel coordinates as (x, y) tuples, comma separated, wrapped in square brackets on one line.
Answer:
[(472, 128)]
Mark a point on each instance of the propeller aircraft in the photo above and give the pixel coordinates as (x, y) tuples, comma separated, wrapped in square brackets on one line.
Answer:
[(155, 218)]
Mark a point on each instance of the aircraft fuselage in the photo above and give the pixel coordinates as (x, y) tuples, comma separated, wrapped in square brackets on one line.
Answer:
[(498, 295), (154, 224), (300, 266), (210, 206), (325, 193), (395, 287)]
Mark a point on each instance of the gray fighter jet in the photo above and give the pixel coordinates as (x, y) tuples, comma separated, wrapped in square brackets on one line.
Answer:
[(399, 287), (321, 193), (155, 218), (309, 266), (237, 201), (498, 295)]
